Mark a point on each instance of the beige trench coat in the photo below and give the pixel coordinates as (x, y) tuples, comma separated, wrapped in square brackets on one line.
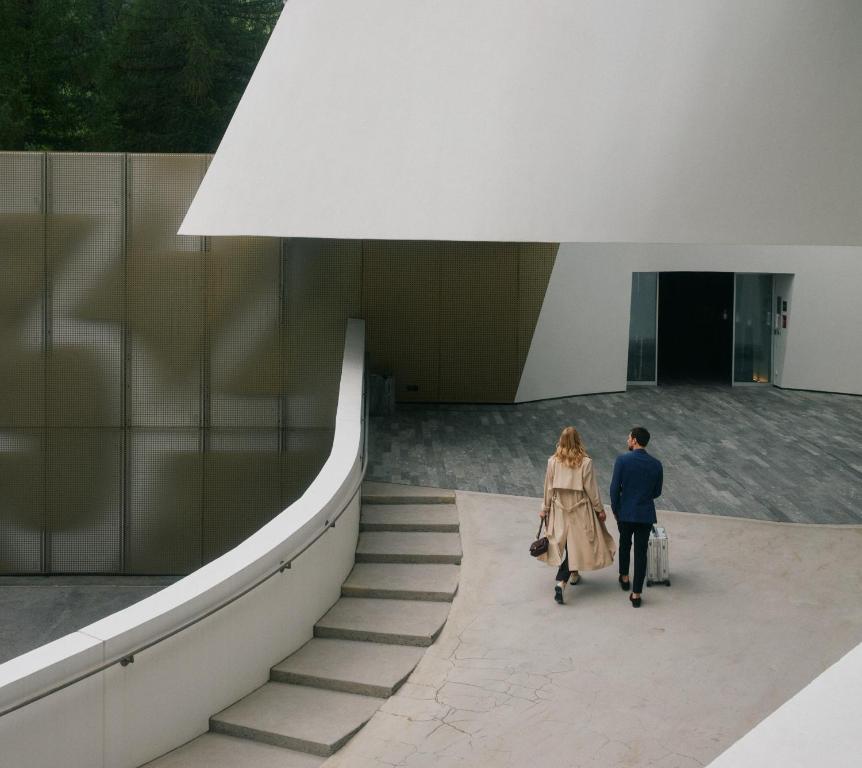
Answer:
[(572, 502)]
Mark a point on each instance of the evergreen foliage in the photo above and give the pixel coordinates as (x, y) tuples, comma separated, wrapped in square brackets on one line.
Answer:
[(126, 75)]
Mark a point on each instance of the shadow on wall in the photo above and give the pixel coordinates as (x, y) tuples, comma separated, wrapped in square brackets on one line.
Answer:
[(164, 396)]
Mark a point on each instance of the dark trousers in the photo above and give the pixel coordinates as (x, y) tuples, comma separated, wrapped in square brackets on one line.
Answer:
[(563, 571), (640, 532)]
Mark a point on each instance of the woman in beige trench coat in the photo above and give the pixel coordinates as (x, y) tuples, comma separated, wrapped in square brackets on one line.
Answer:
[(574, 516)]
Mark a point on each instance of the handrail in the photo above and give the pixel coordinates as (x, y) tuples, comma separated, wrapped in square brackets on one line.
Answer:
[(129, 657)]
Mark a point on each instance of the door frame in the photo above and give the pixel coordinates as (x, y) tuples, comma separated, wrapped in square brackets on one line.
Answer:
[(654, 382), (771, 369), (733, 382)]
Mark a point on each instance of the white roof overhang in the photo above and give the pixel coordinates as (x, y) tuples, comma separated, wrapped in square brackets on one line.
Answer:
[(724, 121)]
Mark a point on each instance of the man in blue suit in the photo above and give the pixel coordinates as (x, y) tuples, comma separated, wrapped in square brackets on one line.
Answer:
[(635, 484)]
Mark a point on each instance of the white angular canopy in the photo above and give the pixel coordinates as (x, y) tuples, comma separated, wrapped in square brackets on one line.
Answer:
[(725, 121)]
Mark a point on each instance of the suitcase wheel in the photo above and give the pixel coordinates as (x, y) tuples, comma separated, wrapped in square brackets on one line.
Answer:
[(649, 583), (667, 583)]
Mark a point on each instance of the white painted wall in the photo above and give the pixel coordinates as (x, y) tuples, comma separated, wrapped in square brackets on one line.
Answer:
[(783, 287), (581, 341), (126, 716), (548, 120), (818, 726)]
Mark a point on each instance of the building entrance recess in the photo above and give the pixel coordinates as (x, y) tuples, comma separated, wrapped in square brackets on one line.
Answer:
[(695, 327)]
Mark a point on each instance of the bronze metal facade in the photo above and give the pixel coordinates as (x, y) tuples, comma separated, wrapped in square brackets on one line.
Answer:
[(163, 396)]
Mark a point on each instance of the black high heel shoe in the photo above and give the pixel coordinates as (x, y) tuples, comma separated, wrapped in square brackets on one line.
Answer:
[(635, 601), (624, 585)]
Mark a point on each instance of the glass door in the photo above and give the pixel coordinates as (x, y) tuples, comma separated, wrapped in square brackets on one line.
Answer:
[(752, 329), (643, 328)]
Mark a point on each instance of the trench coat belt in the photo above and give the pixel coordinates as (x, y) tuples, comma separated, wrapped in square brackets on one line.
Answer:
[(589, 519)]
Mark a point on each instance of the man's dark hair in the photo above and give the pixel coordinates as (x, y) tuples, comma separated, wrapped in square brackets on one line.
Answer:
[(641, 436)]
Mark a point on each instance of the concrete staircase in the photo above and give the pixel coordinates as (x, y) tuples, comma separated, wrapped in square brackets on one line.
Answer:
[(393, 605)]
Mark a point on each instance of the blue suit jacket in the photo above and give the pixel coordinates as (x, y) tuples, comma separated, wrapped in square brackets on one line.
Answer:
[(636, 482)]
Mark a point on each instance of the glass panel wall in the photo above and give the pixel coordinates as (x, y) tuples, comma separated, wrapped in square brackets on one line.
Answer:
[(752, 348), (642, 328)]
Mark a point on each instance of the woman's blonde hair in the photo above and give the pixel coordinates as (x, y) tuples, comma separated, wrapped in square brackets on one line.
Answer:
[(570, 450)]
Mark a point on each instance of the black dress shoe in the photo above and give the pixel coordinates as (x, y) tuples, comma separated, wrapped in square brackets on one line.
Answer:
[(625, 585), (635, 601), (558, 594)]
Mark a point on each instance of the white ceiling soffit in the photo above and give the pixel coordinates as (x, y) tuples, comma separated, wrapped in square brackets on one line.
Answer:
[(723, 121)]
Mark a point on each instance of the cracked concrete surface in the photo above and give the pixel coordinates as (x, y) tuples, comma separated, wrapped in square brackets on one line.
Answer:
[(756, 611)]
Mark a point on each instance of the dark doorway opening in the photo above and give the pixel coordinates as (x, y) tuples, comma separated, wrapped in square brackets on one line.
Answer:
[(695, 327)]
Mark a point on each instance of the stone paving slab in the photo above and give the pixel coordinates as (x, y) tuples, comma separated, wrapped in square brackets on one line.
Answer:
[(396, 547), (756, 611), (40, 609), (296, 717), (387, 493), (404, 581), (407, 622), (754, 452), (370, 669), (409, 517), (213, 750)]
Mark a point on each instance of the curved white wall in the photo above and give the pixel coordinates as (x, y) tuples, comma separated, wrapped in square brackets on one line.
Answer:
[(125, 716), (581, 341)]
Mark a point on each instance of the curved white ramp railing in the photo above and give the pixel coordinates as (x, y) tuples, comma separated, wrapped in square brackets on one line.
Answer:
[(143, 681)]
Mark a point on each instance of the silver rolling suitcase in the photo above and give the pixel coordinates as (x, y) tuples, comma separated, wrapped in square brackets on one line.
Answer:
[(658, 565)]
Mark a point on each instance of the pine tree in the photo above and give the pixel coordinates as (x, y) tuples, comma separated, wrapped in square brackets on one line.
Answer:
[(181, 66), (52, 56)]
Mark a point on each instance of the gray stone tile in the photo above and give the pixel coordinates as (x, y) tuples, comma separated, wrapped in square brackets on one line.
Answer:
[(762, 453)]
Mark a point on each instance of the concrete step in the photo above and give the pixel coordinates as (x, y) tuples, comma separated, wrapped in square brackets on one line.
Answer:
[(369, 669), (213, 750), (403, 581), (391, 547), (405, 622), (390, 493), (409, 517), (297, 717)]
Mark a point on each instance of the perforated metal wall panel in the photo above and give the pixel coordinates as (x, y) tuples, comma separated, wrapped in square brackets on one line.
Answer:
[(162, 397), (243, 312), (322, 284), (401, 285), (159, 399), (84, 500), (22, 361), (453, 321), (85, 237), (535, 264), (165, 501), (478, 327), (165, 293)]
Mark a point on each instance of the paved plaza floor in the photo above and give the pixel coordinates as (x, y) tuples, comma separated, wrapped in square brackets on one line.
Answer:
[(39, 609), (756, 611), (756, 452)]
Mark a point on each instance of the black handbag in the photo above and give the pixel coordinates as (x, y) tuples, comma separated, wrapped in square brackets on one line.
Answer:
[(540, 545)]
